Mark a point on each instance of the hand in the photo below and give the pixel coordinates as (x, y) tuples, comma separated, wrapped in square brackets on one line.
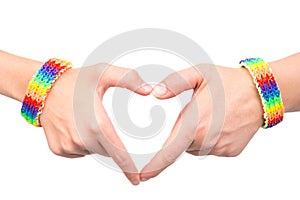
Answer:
[(243, 117), (69, 139)]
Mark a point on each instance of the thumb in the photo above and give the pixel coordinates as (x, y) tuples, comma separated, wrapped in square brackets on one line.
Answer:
[(127, 78), (177, 83)]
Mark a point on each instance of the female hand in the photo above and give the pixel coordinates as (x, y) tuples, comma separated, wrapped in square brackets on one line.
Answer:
[(79, 92), (193, 131)]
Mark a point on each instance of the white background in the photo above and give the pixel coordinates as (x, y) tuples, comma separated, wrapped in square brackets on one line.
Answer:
[(228, 31)]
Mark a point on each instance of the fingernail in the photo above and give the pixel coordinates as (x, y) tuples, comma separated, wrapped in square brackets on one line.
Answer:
[(147, 88), (159, 90), (135, 182), (144, 179)]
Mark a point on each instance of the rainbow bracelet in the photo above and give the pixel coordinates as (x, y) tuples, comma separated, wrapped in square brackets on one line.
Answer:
[(39, 87), (268, 90)]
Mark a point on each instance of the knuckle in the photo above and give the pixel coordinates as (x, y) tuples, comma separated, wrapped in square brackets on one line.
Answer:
[(68, 146), (219, 149), (232, 151), (133, 75), (57, 150), (78, 142)]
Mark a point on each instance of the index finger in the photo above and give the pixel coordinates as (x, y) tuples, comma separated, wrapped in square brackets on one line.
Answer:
[(180, 139), (113, 145)]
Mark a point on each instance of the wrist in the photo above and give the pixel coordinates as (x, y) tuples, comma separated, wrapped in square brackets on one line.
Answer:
[(251, 96), (283, 84), (25, 76), (267, 88), (39, 88)]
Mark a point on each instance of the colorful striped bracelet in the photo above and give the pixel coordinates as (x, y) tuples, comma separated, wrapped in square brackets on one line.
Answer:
[(39, 87), (268, 90)]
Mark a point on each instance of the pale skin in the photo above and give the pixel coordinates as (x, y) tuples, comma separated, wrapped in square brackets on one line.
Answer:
[(244, 113), (64, 140), (57, 118)]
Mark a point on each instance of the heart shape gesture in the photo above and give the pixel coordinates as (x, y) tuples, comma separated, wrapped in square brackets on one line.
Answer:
[(196, 131), (78, 94), (222, 116), (212, 122)]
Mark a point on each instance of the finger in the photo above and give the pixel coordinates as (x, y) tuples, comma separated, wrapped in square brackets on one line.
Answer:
[(92, 146), (112, 144), (177, 83), (80, 152), (127, 78), (74, 156), (96, 148), (201, 153), (61, 146), (194, 152), (178, 142)]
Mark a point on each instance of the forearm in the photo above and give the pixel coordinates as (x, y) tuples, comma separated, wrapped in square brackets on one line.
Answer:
[(287, 73), (15, 74)]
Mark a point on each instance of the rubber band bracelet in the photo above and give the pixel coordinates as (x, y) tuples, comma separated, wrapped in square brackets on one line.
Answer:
[(39, 87), (268, 90)]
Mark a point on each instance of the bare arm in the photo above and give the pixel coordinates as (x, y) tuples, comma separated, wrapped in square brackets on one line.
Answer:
[(243, 112), (15, 74), (287, 73), (94, 134)]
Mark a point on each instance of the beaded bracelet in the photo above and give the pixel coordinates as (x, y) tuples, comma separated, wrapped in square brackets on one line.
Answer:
[(268, 90), (39, 87)]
